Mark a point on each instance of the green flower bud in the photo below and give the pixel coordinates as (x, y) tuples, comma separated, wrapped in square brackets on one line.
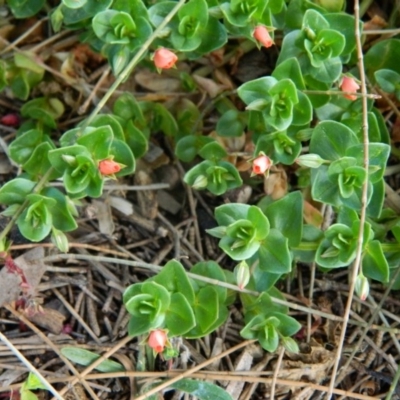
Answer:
[(70, 160), (200, 182), (242, 274), (59, 239), (310, 160), (290, 344), (362, 286)]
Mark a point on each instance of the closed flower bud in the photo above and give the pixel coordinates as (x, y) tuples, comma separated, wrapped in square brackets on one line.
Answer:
[(70, 160), (200, 182), (157, 340), (261, 165), (59, 239), (262, 36), (109, 167), (362, 287), (310, 160), (10, 120), (290, 344), (164, 58), (242, 274), (349, 85)]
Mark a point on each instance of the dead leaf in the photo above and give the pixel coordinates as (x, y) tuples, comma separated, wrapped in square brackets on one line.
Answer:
[(48, 318), (147, 199), (104, 216), (312, 215), (275, 185), (157, 82), (33, 267), (212, 88)]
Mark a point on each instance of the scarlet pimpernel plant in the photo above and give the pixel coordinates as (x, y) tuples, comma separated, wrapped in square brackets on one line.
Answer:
[(307, 116)]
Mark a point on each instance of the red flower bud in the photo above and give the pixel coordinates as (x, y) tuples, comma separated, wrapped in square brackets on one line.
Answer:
[(157, 340), (349, 85), (262, 35), (10, 120), (109, 167), (164, 58), (261, 164)]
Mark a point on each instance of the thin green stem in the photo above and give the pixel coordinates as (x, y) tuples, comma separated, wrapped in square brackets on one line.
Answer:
[(135, 60), (22, 207)]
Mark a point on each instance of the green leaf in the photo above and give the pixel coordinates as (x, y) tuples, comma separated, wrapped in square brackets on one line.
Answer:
[(212, 151), (60, 211), (378, 156), (259, 221), (174, 278), (315, 21), (86, 357), (23, 146), (91, 8), (136, 140), (229, 213), (206, 308), (38, 164), (274, 253), (189, 146), (331, 140), (288, 326), (388, 80), (256, 89), (202, 390), (212, 270), (179, 318), (33, 382), (374, 264), (109, 121), (286, 215), (98, 142), (383, 55), (123, 155), (27, 395), (15, 191), (25, 8), (74, 3), (290, 68), (231, 124)]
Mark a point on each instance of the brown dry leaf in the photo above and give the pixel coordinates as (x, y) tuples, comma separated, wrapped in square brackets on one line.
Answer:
[(48, 318), (224, 79), (77, 392), (157, 82), (5, 31), (104, 216), (312, 215), (34, 268), (242, 363), (212, 88), (155, 156), (122, 205), (147, 199), (275, 185), (376, 22)]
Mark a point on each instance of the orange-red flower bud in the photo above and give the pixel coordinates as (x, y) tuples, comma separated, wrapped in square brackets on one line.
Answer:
[(157, 340), (262, 35), (10, 120), (349, 85), (109, 167), (164, 58), (261, 164)]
